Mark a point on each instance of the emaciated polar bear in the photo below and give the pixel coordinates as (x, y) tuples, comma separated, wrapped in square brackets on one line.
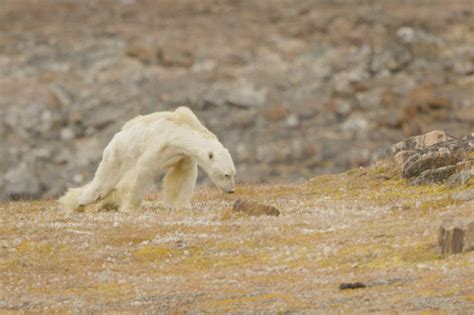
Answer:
[(176, 141)]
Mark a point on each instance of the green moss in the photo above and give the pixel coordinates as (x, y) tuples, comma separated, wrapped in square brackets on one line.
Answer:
[(156, 254), (233, 304)]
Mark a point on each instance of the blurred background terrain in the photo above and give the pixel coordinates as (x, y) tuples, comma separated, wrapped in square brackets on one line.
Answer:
[(292, 88)]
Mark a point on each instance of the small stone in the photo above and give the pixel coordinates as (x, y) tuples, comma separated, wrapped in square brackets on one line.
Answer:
[(352, 285), (370, 100), (64, 156), (144, 54), (275, 113), (254, 209), (204, 66), (292, 121), (66, 134), (75, 117), (456, 235), (240, 94), (406, 34), (103, 116), (78, 178), (174, 56), (58, 97)]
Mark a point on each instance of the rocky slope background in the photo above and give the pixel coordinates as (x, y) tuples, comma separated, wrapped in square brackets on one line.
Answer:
[(293, 88)]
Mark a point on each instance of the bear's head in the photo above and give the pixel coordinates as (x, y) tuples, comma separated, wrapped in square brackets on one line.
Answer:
[(218, 164)]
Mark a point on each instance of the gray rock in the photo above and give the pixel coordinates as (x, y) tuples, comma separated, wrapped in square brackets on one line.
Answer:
[(66, 134), (401, 156), (420, 142), (175, 56), (240, 94), (456, 235), (409, 35), (59, 96), (292, 121), (435, 157), (443, 155), (392, 58), (252, 208), (343, 82), (370, 99), (102, 116), (437, 175), (21, 182)]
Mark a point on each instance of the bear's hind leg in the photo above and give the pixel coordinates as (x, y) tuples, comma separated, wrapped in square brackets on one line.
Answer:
[(105, 178), (179, 183), (132, 188)]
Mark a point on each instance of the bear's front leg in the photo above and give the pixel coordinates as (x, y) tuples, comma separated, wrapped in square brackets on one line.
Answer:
[(179, 183)]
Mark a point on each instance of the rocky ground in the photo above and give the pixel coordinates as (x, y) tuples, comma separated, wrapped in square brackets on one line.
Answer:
[(367, 225), (293, 88), (397, 236)]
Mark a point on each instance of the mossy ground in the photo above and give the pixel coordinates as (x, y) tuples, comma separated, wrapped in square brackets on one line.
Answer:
[(364, 225)]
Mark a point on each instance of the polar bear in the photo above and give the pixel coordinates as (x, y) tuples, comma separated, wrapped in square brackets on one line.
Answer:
[(176, 141)]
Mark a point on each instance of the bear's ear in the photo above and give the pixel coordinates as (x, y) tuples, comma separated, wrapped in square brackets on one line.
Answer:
[(210, 155)]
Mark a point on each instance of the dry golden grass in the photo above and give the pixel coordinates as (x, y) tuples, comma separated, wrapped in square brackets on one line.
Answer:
[(364, 225)]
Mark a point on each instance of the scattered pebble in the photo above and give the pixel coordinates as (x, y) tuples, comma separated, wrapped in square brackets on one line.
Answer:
[(351, 285)]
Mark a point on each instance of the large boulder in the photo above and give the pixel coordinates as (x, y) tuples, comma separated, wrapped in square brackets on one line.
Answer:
[(435, 157), (456, 235)]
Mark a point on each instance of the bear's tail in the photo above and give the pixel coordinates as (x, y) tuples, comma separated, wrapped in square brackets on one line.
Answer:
[(69, 202)]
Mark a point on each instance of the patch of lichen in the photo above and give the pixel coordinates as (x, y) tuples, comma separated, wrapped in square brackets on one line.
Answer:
[(234, 304), (205, 262), (104, 289), (44, 256), (155, 254), (380, 256), (436, 204), (196, 260), (127, 237), (365, 185), (470, 298)]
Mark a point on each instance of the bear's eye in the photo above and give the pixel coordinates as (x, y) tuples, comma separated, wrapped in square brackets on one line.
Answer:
[(210, 155), (227, 176)]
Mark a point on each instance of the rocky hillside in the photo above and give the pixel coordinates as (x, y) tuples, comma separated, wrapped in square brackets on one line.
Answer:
[(293, 88)]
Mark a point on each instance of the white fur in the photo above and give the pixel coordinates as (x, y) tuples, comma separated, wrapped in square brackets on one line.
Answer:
[(176, 141)]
